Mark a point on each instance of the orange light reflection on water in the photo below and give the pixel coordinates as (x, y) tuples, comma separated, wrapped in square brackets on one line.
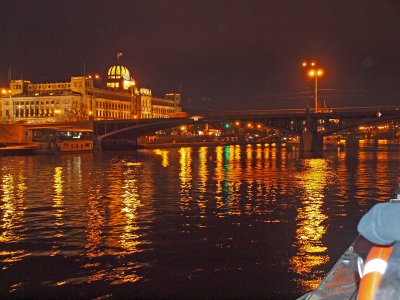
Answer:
[(311, 251), (58, 198), (129, 238), (12, 206), (185, 177), (12, 211), (164, 156), (203, 178), (221, 177), (58, 205)]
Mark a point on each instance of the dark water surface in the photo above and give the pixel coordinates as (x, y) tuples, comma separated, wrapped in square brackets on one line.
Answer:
[(217, 222)]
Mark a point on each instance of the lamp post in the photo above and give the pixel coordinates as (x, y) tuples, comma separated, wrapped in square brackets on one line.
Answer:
[(313, 71), (91, 107)]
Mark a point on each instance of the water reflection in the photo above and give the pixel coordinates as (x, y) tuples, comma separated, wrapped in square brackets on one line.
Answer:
[(164, 156), (222, 195), (12, 211), (185, 177), (130, 197), (226, 213), (12, 205), (58, 205), (203, 178), (8, 208), (311, 250), (95, 221), (58, 198)]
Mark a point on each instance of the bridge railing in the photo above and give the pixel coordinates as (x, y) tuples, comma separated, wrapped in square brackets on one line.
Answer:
[(297, 111)]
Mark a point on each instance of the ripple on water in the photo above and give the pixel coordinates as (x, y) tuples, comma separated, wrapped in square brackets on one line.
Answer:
[(162, 223)]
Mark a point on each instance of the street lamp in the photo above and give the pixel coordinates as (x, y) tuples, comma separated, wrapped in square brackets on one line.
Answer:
[(4, 93), (315, 72)]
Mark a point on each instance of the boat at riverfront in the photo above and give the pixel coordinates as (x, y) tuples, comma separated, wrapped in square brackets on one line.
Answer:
[(343, 280), (62, 139)]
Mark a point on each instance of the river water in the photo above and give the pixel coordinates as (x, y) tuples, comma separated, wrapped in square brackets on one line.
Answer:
[(248, 221)]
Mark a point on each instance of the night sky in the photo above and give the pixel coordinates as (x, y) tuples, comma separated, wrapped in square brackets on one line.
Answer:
[(222, 55)]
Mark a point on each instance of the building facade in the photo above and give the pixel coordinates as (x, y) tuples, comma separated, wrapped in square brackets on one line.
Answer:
[(79, 99)]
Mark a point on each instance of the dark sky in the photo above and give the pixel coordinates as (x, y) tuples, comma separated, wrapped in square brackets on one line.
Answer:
[(223, 54)]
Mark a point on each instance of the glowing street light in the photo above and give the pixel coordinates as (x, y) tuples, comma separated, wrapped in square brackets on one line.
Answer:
[(313, 71)]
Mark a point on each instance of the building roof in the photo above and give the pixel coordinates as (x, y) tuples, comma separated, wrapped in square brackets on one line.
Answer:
[(118, 72)]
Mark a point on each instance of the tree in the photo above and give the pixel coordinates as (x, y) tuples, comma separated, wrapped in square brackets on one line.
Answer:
[(78, 111)]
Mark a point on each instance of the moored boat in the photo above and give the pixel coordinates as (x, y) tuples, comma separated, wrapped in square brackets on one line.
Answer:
[(350, 278), (62, 139)]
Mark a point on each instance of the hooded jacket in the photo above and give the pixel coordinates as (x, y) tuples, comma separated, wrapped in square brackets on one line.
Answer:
[(381, 224)]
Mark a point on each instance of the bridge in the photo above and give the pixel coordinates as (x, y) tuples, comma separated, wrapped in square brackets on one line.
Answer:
[(310, 125), (305, 123)]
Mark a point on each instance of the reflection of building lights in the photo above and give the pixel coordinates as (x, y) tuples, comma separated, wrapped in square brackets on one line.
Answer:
[(203, 176), (8, 208), (58, 195), (12, 211), (164, 156), (185, 176)]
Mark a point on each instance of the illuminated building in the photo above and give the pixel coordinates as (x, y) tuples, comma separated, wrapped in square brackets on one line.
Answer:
[(79, 99)]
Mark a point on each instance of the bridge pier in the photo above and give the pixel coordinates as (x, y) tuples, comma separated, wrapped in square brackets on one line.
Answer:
[(311, 142), (97, 144)]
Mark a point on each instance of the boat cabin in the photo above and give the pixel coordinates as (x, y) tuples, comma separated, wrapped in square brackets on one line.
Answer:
[(62, 139)]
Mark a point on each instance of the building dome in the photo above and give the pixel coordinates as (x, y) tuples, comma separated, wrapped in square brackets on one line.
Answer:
[(118, 72), (118, 77)]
